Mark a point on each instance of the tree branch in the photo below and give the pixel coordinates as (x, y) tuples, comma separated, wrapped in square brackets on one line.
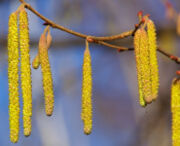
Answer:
[(54, 25), (98, 40)]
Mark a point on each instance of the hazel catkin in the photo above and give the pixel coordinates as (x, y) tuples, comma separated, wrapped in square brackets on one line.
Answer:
[(47, 75), (175, 109), (143, 66), (153, 58), (13, 60), (86, 113), (25, 71)]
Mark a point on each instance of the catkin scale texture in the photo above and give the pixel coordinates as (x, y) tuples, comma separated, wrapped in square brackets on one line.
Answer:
[(13, 60), (143, 66), (25, 72), (86, 113), (153, 58), (175, 109), (47, 76)]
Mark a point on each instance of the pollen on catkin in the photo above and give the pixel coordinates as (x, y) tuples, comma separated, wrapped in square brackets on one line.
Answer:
[(86, 113), (25, 71), (175, 109), (143, 66), (13, 60), (178, 24), (47, 76), (153, 58)]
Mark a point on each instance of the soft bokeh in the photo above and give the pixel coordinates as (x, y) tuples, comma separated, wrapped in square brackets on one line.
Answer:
[(118, 119)]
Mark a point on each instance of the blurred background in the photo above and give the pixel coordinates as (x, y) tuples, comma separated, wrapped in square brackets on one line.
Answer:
[(118, 119)]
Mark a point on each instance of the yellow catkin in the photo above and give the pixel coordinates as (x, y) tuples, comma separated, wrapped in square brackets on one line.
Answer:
[(153, 58), (143, 66), (25, 71), (47, 76), (36, 62), (175, 109), (86, 113), (178, 24), (13, 56)]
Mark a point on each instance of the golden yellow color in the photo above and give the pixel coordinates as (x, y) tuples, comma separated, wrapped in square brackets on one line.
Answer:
[(36, 62), (13, 56), (178, 24), (47, 76), (25, 71), (143, 66), (153, 58), (175, 109), (86, 113)]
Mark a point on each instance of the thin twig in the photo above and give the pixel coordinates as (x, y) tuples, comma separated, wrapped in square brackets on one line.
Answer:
[(54, 25)]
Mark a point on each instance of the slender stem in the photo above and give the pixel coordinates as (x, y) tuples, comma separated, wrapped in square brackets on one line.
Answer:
[(54, 25)]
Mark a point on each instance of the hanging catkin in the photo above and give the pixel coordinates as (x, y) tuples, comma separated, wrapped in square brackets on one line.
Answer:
[(86, 113), (153, 58), (175, 109), (178, 24), (36, 61), (143, 66), (13, 56), (47, 76), (25, 71)]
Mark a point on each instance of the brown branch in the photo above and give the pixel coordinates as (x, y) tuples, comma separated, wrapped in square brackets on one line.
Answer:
[(54, 25), (121, 49)]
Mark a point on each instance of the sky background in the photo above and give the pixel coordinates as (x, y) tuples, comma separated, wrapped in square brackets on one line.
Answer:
[(118, 119)]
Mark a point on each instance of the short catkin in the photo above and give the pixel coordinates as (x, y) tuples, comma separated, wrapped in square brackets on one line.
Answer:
[(86, 113), (153, 58), (175, 109), (13, 60), (36, 61), (47, 75), (25, 71), (143, 66)]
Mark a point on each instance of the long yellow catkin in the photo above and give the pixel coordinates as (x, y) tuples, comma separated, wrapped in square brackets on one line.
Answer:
[(86, 113), (143, 66), (47, 76), (25, 71), (153, 58), (178, 24), (13, 56), (175, 109)]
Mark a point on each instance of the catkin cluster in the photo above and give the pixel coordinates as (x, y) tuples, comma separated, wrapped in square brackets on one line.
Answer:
[(146, 63), (86, 113), (14, 41), (175, 109)]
